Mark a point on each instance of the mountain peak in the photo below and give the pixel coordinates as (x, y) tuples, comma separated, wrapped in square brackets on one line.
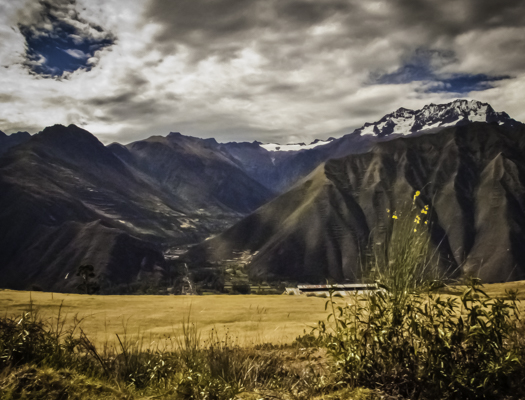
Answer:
[(435, 116), (14, 139), (64, 136)]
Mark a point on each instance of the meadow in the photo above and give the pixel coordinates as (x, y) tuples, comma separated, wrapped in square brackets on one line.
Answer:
[(251, 319)]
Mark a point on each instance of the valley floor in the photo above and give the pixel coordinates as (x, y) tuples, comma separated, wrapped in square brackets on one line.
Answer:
[(251, 319)]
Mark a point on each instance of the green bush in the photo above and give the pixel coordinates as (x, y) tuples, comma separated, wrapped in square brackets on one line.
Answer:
[(434, 347), (242, 288), (28, 339)]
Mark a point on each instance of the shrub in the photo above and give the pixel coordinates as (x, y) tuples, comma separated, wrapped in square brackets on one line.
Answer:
[(434, 347), (403, 257), (406, 339), (242, 288)]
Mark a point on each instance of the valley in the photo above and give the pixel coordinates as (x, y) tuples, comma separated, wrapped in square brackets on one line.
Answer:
[(302, 213)]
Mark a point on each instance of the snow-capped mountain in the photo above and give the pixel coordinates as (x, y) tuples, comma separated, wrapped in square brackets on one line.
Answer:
[(432, 116), (405, 121)]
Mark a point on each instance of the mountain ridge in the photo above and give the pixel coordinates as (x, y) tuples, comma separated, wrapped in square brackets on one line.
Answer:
[(406, 121), (472, 176), (174, 190), (63, 183)]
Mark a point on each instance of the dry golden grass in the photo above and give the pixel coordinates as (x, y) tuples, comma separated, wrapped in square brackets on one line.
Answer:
[(251, 319), (498, 289)]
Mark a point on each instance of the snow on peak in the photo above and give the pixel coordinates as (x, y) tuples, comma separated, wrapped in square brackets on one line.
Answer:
[(294, 146), (405, 121)]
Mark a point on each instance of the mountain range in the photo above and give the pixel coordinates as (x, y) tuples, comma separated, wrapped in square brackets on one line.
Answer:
[(472, 177), (66, 199)]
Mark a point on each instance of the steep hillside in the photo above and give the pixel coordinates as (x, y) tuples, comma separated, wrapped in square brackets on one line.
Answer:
[(472, 176), (63, 192), (198, 172)]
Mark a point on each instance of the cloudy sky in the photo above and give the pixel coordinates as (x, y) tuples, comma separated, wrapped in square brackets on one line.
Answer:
[(240, 70)]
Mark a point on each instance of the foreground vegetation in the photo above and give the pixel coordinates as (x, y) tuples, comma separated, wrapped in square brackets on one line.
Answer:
[(43, 359), (439, 345), (430, 345)]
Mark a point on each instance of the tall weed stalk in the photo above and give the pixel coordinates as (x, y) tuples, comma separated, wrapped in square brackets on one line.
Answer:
[(404, 259)]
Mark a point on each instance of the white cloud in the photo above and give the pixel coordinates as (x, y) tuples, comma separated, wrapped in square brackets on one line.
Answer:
[(507, 95), (271, 79), (79, 54), (496, 51)]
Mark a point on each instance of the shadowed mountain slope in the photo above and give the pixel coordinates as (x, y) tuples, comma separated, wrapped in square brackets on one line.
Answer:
[(278, 167), (472, 176), (8, 141), (66, 199), (199, 172), (61, 190)]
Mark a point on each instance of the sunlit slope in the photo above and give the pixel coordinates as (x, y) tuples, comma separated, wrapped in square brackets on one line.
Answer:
[(472, 177)]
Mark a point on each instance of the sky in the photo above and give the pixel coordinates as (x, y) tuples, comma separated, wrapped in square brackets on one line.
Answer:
[(281, 71)]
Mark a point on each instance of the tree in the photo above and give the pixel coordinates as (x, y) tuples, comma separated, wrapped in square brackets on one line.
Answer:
[(86, 272)]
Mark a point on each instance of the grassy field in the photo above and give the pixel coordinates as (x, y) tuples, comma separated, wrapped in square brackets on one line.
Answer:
[(252, 319), (248, 318)]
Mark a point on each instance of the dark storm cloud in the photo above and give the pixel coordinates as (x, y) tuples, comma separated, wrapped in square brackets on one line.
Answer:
[(196, 21), (309, 12), (452, 17), (126, 106), (222, 28), (112, 100), (135, 80), (208, 26), (6, 98)]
